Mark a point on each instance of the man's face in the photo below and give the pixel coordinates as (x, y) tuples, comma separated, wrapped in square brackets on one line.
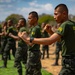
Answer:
[(9, 23), (20, 23), (31, 20), (58, 15)]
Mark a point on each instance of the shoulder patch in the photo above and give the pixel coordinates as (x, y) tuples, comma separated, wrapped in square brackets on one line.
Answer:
[(32, 33), (60, 29), (73, 27)]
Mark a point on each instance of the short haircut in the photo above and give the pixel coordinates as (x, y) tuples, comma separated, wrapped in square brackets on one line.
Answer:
[(23, 20), (34, 13), (62, 7)]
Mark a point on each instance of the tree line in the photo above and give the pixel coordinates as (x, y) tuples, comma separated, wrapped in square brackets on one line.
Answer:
[(47, 18)]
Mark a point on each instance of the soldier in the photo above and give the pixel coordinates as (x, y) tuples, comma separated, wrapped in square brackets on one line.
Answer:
[(21, 52), (58, 47), (4, 39), (66, 32), (11, 42), (45, 48), (33, 62), (57, 52), (0, 37)]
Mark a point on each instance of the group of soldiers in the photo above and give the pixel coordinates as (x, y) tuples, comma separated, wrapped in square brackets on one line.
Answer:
[(31, 43), (46, 48), (9, 36), (27, 53)]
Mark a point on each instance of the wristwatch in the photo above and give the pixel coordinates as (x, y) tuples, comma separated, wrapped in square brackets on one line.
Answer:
[(31, 39)]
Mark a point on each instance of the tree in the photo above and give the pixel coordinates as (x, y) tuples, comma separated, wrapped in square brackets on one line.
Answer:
[(45, 18), (14, 17)]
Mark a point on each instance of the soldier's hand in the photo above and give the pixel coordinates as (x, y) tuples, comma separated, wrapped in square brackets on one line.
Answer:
[(47, 27), (10, 34), (23, 35)]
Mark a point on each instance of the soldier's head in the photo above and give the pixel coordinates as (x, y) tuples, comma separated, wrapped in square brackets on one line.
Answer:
[(22, 22), (33, 18), (61, 13), (10, 22)]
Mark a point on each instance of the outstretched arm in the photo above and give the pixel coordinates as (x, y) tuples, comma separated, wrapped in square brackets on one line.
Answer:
[(46, 41)]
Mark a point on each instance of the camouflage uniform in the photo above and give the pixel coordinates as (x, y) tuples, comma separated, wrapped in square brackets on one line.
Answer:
[(45, 48), (67, 31), (3, 43), (0, 38), (57, 51), (34, 54), (11, 44), (21, 53)]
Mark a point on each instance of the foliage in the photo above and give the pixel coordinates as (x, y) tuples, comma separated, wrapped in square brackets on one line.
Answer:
[(14, 17), (45, 18)]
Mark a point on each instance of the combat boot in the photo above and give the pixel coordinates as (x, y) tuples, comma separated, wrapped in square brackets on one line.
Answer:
[(20, 72), (5, 62)]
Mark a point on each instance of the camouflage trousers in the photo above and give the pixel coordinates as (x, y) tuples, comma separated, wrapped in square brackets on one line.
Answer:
[(20, 56), (57, 51), (33, 63), (68, 66), (45, 50), (8, 47)]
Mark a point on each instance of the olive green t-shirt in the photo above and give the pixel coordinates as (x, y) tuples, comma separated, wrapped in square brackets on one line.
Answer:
[(35, 32), (21, 42), (3, 37), (67, 31), (12, 30), (44, 34)]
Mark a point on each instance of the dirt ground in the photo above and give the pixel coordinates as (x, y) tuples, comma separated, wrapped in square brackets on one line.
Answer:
[(47, 62)]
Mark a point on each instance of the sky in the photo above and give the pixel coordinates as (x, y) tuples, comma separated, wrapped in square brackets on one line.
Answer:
[(23, 7)]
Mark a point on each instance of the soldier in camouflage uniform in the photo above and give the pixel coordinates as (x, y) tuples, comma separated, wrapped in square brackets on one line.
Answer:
[(0, 37), (11, 42), (4, 39), (57, 52), (21, 52), (33, 62), (66, 32), (58, 47), (45, 48)]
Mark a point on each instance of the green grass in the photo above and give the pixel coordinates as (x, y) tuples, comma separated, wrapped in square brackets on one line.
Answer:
[(10, 70)]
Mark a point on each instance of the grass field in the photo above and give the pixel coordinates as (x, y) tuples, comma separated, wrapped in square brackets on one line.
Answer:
[(10, 70)]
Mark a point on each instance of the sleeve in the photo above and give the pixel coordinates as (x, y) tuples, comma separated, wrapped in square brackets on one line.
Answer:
[(36, 32), (61, 30), (22, 29)]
